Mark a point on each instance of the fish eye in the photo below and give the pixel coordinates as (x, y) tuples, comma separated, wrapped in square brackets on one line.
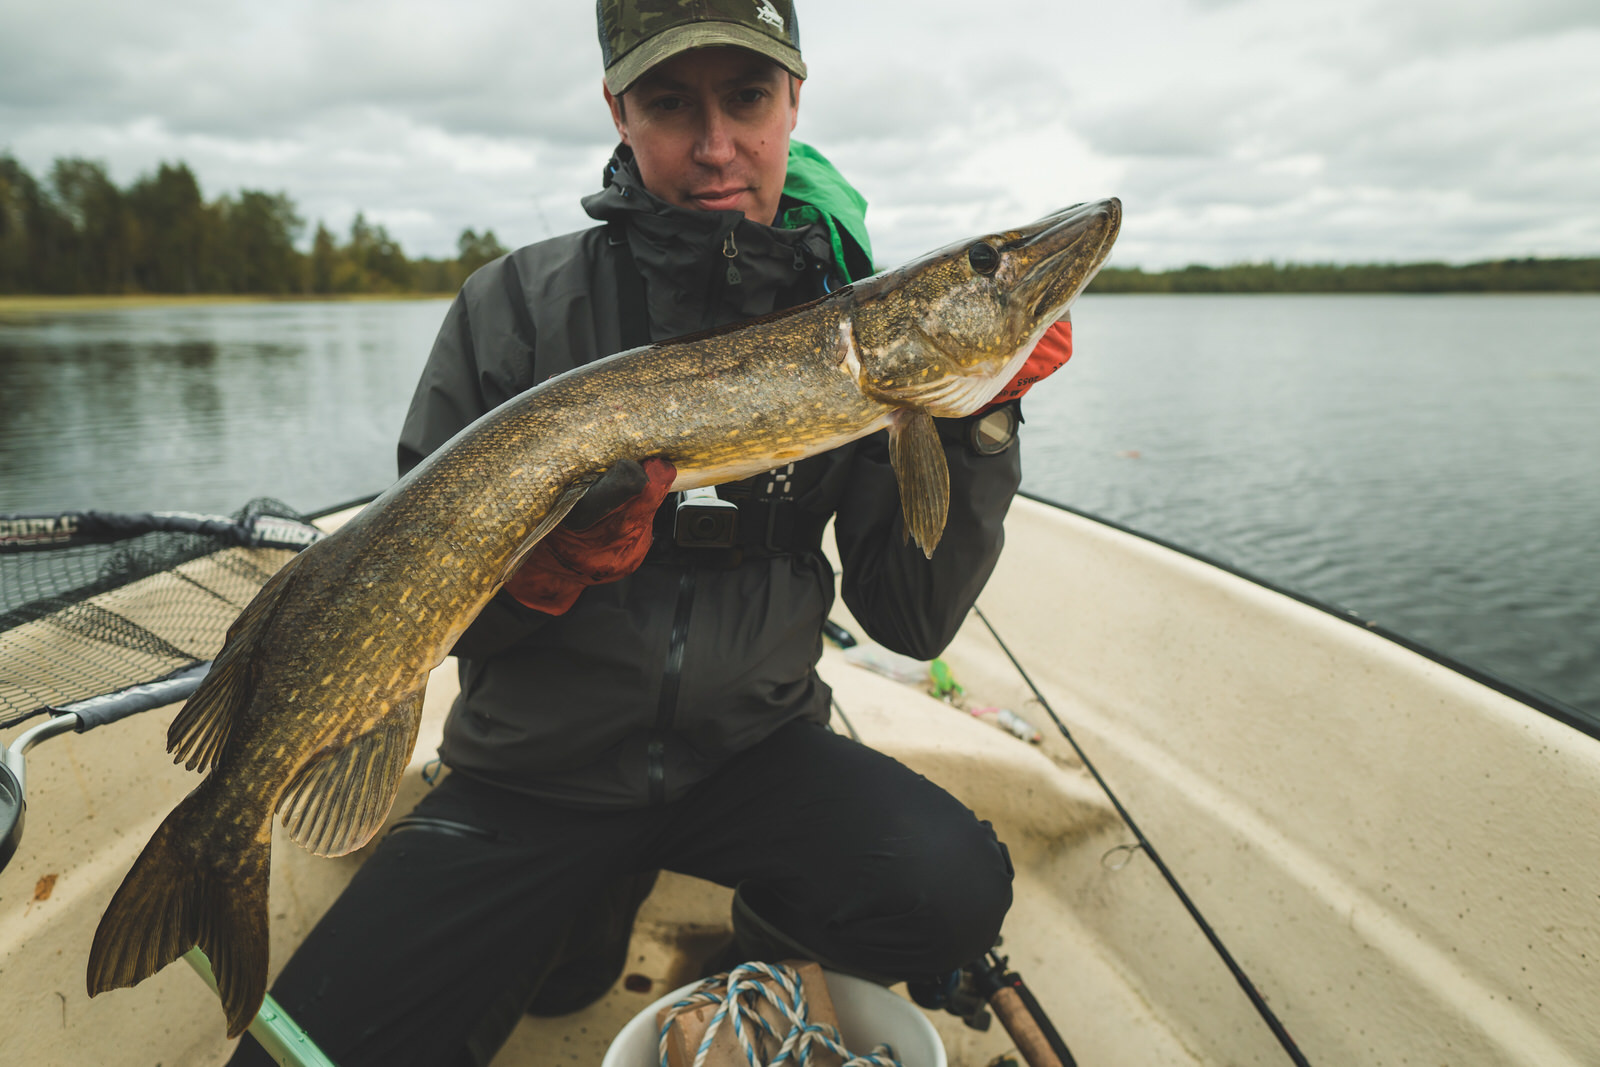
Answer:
[(984, 258)]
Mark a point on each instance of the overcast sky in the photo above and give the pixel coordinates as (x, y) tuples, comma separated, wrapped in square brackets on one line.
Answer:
[(1309, 130)]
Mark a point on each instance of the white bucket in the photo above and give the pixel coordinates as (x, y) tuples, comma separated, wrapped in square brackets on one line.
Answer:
[(868, 1015)]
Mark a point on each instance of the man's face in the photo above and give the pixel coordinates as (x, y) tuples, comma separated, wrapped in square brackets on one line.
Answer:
[(710, 130)]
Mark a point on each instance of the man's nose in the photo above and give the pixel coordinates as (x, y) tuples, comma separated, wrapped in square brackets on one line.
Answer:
[(714, 147)]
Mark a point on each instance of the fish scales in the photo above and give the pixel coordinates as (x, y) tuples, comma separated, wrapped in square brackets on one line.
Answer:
[(312, 707)]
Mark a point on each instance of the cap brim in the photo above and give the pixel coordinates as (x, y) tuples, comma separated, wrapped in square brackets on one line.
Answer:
[(621, 75)]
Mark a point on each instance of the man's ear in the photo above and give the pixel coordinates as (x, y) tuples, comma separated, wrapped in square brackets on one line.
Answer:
[(619, 117)]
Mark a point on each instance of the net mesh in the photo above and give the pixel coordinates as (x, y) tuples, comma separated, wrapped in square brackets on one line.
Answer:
[(84, 620)]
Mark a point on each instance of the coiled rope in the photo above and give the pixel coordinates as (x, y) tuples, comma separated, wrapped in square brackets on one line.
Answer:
[(739, 992)]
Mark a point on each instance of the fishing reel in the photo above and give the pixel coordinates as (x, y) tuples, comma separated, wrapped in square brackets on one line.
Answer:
[(955, 993), (988, 983)]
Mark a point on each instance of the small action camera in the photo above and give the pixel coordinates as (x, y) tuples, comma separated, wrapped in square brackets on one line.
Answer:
[(704, 520)]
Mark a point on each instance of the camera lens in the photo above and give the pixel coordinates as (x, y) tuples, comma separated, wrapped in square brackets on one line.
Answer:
[(704, 527), (703, 521)]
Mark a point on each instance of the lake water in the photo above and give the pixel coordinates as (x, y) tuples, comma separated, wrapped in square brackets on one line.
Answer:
[(1430, 462)]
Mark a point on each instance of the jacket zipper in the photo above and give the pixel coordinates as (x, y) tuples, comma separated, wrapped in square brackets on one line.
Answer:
[(671, 678), (730, 251)]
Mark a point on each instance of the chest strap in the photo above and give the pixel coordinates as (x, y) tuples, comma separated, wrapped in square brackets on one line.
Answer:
[(633, 312), (766, 528)]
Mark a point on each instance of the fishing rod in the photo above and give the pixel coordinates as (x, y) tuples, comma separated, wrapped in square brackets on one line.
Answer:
[(1237, 971)]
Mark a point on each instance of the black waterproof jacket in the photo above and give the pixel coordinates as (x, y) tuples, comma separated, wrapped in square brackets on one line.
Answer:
[(647, 684)]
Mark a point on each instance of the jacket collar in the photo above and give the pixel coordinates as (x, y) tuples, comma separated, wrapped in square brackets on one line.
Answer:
[(706, 268)]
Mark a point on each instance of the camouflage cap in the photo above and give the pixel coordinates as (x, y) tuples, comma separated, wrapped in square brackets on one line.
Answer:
[(635, 35)]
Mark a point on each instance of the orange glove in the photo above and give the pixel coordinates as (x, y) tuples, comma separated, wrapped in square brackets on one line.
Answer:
[(603, 538), (1053, 349)]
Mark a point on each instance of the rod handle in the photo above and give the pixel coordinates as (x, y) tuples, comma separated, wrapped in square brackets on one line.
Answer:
[(1019, 1023)]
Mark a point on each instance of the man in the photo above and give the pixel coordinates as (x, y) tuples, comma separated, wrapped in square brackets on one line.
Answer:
[(629, 702)]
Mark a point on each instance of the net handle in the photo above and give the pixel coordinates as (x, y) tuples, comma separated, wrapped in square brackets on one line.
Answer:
[(84, 715), (111, 707)]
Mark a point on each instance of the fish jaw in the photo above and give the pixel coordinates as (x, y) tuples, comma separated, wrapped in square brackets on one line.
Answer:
[(946, 332), (1059, 256)]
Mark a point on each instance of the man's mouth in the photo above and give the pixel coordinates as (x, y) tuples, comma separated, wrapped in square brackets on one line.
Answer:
[(719, 199)]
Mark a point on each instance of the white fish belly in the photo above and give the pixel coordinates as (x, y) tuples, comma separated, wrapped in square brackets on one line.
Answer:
[(695, 477)]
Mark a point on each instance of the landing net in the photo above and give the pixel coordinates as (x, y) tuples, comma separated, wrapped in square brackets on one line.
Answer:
[(94, 602)]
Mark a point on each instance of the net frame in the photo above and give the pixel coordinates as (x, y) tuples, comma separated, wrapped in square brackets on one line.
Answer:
[(94, 602)]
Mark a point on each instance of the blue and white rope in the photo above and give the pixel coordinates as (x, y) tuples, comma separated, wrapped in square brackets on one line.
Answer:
[(739, 992)]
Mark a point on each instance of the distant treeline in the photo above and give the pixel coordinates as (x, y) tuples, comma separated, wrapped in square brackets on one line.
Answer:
[(79, 233), (1498, 276)]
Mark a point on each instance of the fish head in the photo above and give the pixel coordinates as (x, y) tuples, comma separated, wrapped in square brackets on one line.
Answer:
[(948, 331)]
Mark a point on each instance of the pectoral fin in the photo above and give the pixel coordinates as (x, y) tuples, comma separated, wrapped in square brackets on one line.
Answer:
[(336, 803), (923, 474), (558, 511)]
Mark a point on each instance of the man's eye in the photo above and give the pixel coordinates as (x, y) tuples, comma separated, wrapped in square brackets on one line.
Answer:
[(666, 103), (751, 96)]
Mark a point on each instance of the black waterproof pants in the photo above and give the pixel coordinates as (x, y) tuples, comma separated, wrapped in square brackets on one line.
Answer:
[(851, 853)]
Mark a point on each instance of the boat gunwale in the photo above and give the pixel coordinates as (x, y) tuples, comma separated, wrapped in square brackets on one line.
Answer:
[(1567, 714)]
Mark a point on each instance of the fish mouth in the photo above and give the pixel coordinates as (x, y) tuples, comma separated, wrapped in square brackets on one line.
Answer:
[(1059, 255)]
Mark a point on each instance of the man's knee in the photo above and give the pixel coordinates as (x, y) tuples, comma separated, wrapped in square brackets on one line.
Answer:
[(965, 885), (932, 904)]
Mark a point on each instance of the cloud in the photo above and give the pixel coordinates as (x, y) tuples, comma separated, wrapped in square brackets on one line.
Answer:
[(1249, 129), (1197, 124), (1442, 25), (428, 120), (1335, 133)]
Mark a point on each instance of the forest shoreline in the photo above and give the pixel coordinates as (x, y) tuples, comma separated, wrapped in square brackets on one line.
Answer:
[(28, 305)]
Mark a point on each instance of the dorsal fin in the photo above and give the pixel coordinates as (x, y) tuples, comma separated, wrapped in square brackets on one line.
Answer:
[(201, 730), (338, 801)]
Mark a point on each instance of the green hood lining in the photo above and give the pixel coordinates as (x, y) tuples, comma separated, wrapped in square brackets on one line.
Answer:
[(826, 197)]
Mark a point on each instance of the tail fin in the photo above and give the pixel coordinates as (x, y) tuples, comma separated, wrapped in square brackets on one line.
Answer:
[(174, 899)]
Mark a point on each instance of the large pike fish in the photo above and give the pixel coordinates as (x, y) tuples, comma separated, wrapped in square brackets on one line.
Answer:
[(312, 707)]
